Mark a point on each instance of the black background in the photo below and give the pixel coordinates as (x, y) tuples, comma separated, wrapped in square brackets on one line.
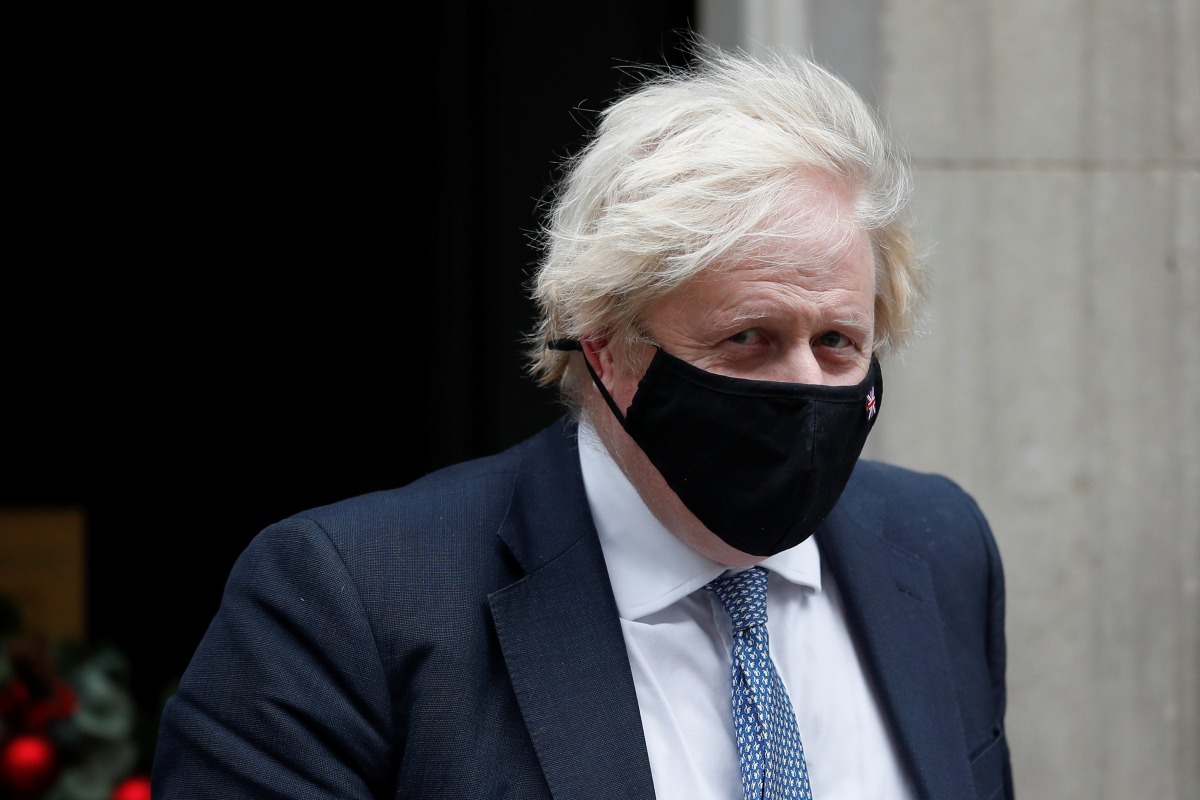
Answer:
[(263, 263)]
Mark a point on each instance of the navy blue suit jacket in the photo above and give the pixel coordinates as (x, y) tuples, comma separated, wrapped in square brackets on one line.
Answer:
[(458, 638)]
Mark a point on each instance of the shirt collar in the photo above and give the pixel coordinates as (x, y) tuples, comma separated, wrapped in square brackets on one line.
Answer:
[(649, 567)]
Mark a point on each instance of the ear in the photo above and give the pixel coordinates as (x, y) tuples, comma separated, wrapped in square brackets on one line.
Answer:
[(600, 358)]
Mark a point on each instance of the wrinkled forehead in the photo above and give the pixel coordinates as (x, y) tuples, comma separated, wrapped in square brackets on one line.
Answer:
[(815, 226)]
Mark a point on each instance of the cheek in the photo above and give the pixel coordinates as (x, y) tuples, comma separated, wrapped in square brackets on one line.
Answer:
[(624, 373), (622, 389)]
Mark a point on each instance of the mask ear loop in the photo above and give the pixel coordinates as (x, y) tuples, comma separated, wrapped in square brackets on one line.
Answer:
[(575, 344)]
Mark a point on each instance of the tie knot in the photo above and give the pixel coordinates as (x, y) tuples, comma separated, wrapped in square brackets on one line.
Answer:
[(744, 596)]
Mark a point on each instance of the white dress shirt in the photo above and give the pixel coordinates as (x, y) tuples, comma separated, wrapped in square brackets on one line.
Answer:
[(680, 646)]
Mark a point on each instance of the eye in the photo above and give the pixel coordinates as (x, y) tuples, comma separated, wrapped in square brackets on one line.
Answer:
[(748, 336), (834, 340)]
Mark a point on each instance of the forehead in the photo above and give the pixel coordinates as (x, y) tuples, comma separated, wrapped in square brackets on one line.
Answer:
[(811, 257), (811, 238), (839, 270), (815, 225), (814, 235)]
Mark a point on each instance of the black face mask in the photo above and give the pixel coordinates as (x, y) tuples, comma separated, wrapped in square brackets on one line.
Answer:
[(760, 463)]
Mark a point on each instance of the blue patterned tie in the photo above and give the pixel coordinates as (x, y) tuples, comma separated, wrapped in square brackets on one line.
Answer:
[(769, 745)]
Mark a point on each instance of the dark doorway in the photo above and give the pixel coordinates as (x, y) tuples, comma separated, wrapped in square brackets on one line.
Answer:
[(283, 264)]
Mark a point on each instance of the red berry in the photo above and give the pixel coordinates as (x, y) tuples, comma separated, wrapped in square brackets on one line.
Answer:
[(135, 788), (27, 763)]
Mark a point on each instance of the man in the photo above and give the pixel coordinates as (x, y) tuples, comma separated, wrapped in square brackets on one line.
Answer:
[(723, 267)]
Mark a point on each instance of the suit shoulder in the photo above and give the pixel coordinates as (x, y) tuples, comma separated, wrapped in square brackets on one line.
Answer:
[(486, 481), (438, 510), (906, 485), (924, 506)]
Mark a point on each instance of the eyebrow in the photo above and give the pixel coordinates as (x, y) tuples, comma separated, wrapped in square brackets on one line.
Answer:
[(856, 320)]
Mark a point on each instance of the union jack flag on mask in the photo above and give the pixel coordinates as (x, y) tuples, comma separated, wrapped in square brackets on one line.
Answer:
[(871, 403)]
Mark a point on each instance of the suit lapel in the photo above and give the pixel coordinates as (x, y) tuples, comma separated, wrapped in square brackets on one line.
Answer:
[(890, 603), (561, 637)]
